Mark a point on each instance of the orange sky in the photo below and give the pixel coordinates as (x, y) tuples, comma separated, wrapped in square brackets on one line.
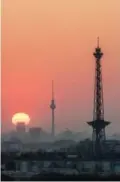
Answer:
[(54, 39)]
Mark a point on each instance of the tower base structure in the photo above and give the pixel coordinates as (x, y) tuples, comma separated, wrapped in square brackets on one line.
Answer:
[(98, 137)]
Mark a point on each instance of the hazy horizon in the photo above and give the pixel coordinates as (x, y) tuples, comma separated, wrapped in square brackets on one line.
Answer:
[(45, 40)]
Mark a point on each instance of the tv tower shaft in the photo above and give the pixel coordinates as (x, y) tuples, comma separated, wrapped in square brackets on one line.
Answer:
[(53, 106)]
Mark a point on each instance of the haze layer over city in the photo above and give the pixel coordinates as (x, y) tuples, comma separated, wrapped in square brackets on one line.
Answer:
[(45, 40)]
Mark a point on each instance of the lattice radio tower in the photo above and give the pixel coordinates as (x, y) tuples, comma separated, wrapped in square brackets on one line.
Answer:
[(98, 124)]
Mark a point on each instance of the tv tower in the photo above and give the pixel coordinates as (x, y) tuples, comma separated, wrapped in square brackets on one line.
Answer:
[(98, 124), (53, 106)]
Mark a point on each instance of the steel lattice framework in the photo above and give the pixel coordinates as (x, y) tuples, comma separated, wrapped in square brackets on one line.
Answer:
[(98, 124)]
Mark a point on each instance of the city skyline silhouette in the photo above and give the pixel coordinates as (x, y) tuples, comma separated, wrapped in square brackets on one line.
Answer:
[(56, 41)]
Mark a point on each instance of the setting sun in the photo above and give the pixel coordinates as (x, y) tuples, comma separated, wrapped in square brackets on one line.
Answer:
[(20, 118)]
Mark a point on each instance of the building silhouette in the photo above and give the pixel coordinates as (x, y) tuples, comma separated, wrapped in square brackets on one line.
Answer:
[(20, 128)]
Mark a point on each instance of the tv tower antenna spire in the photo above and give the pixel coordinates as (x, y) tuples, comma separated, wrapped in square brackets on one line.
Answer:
[(53, 106), (98, 42), (98, 124)]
